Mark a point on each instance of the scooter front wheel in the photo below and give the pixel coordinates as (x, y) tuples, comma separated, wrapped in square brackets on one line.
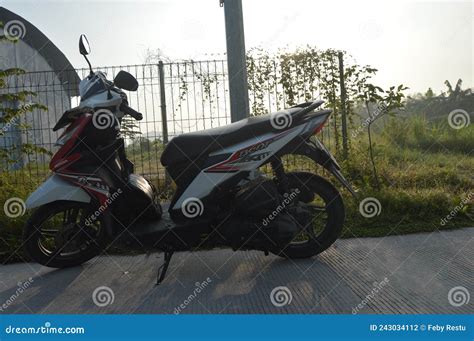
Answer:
[(63, 234)]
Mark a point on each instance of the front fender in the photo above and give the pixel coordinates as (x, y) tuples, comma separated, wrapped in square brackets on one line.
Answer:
[(54, 189)]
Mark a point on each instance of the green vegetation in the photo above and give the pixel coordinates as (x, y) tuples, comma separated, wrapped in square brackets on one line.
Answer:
[(11, 228), (423, 178), (425, 166)]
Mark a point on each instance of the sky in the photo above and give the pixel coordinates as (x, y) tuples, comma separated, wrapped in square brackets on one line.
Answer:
[(417, 43)]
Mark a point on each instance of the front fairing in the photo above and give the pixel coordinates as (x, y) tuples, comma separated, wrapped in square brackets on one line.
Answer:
[(94, 92), (93, 85), (103, 100)]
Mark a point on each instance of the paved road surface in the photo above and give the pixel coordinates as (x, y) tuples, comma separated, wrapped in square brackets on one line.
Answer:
[(399, 274)]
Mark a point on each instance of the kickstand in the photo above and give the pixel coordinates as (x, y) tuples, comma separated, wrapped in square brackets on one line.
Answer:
[(164, 267)]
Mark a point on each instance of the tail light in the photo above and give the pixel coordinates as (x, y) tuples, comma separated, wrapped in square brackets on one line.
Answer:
[(318, 123), (320, 127)]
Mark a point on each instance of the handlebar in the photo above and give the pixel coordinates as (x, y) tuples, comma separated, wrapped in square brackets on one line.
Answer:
[(127, 110)]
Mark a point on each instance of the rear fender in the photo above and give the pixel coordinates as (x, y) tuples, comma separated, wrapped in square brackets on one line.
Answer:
[(319, 154)]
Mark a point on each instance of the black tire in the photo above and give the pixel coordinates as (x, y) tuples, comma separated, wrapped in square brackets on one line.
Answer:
[(313, 185), (33, 235)]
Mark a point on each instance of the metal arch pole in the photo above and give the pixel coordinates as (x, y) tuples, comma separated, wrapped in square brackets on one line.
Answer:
[(236, 59)]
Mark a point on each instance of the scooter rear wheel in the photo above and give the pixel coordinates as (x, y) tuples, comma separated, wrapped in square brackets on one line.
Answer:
[(320, 215), (63, 234)]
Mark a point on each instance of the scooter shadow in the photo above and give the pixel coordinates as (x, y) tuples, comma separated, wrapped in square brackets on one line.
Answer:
[(253, 285), (306, 286)]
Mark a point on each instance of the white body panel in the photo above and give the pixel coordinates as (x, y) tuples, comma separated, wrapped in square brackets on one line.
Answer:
[(101, 100), (205, 182), (55, 189)]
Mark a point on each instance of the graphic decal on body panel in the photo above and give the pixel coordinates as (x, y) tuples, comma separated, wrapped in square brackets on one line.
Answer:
[(96, 187), (252, 153), (244, 157)]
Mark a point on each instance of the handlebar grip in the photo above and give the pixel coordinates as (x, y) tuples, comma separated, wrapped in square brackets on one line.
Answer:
[(127, 110)]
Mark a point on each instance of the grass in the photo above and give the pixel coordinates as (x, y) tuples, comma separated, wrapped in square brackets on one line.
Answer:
[(419, 134), (426, 170)]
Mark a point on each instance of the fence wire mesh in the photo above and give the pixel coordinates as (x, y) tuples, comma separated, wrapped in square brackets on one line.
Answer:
[(193, 94)]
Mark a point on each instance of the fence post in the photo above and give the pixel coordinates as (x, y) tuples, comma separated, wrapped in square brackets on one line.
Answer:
[(343, 105), (164, 118)]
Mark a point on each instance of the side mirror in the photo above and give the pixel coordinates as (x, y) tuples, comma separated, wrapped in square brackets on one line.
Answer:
[(84, 47), (126, 81)]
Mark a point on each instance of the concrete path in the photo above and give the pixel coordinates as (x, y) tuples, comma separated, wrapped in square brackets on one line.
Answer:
[(400, 274)]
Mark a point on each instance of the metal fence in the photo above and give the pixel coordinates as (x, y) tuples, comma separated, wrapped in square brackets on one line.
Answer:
[(174, 98)]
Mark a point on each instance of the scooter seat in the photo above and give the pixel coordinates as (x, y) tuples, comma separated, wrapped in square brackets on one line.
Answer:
[(191, 146)]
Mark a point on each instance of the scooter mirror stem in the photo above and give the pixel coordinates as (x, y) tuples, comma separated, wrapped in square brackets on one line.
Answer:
[(90, 66), (109, 93)]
